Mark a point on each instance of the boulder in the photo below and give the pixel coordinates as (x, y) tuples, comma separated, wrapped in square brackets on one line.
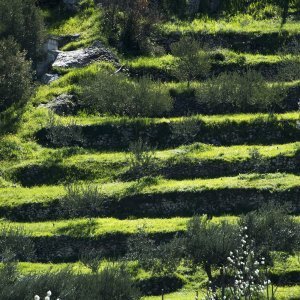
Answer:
[(63, 104), (48, 78), (83, 57)]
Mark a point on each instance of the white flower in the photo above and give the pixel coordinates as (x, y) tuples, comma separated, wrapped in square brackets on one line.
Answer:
[(47, 298), (256, 272), (36, 297), (245, 227), (262, 262), (49, 293)]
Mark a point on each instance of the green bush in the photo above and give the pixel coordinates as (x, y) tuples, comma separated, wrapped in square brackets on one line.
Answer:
[(11, 148), (191, 60), (15, 83), (272, 228), (23, 20), (242, 92), (82, 200), (117, 95), (110, 283)]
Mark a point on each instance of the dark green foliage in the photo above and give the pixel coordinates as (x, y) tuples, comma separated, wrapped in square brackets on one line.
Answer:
[(23, 20), (129, 24), (117, 95), (165, 134), (141, 159), (207, 244), (82, 200), (15, 83), (192, 61), (272, 228), (158, 258), (15, 245), (239, 92), (110, 283)]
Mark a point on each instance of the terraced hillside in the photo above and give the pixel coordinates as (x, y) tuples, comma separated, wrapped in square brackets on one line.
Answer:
[(219, 159)]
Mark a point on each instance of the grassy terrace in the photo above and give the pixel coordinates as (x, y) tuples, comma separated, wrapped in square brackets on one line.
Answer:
[(237, 24), (215, 119), (165, 64), (102, 226), (14, 196), (195, 151)]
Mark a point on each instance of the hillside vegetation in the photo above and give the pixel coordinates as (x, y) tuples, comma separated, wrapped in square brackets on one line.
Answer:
[(155, 154)]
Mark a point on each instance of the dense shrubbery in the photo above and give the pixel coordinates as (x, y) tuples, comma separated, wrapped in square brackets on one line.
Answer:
[(115, 94), (15, 83), (109, 283), (191, 60), (129, 24), (239, 92), (23, 20)]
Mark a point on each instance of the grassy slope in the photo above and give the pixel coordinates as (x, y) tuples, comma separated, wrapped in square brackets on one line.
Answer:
[(87, 23), (15, 196)]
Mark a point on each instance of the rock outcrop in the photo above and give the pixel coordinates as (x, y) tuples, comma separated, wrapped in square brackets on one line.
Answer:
[(83, 57), (63, 104)]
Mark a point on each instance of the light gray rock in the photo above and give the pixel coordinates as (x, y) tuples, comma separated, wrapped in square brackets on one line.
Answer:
[(63, 104), (48, 78), (83, 57)]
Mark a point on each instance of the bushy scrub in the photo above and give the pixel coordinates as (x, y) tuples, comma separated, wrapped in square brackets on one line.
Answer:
[(239, 92), (15, 83), (23, 20), (110, 283), (81, 200), (115, 94), (191, 60)]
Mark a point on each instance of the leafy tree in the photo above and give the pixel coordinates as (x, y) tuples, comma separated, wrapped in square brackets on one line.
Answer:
[(129, 23), (15, 83), (192, 61), (272, 229), (23, 20), (207, 244)]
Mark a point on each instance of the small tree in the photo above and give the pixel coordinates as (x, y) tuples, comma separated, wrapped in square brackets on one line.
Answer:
[(191, 60), (207, 244), (23, 20), (15, 83)]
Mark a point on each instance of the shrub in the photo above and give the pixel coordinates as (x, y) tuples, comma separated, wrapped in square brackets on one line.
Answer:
[(82, 200), (115, 94), (242, 92), (15, 83), (141, 158), (23, 20), (110, 283), (272, 229), (192, 61), (15, 243), (157, 258), (129, 24), (11, 148)]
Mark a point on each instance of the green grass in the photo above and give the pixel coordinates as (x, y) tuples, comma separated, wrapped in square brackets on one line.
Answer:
[(274, 182), (87, 23), (95, 120), (236, 24), (101, 226), (166, 62)]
